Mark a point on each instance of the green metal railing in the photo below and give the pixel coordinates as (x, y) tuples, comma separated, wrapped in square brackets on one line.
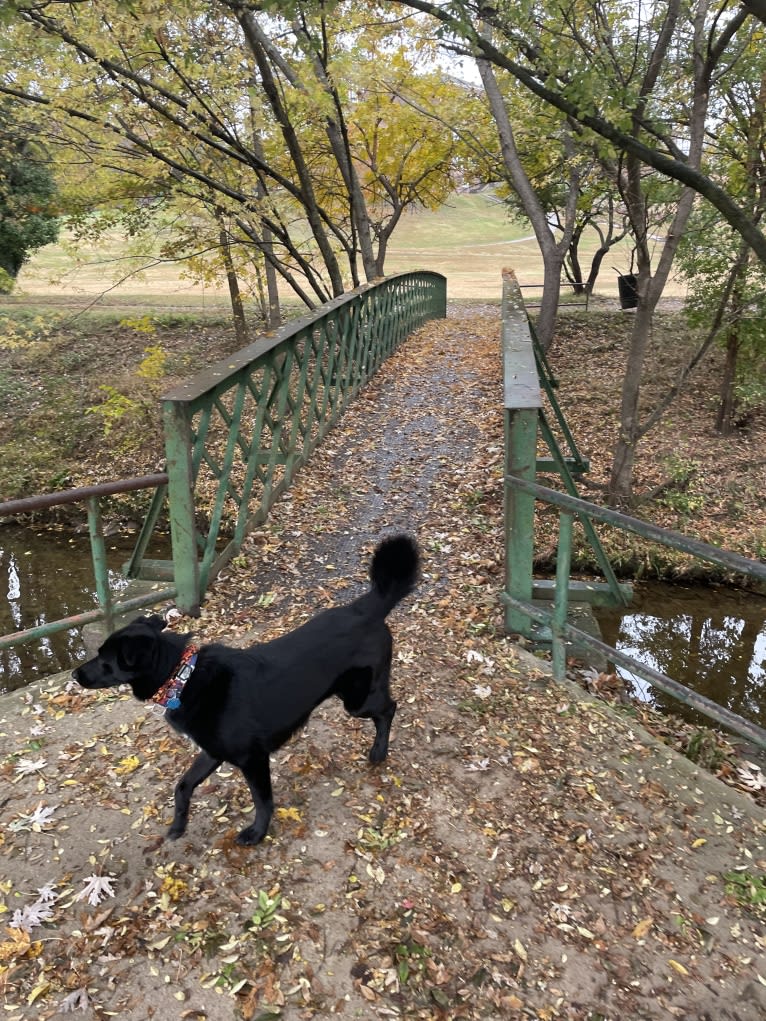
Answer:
[(523, 415), (525, 372), (236, 434), (561, 630), (108, 608)]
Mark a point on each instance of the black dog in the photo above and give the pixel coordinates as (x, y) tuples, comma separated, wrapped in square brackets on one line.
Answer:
[(238, 705)]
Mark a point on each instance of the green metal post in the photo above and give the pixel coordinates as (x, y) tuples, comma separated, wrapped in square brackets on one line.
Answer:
[(619, 595), (183, 529), (133, 567), (233, 423), (561, 600), (100, 566), (521, 454), (522, 405)]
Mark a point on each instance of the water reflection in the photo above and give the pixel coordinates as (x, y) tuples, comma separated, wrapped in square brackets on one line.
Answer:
[(43, 577), (713, 640)]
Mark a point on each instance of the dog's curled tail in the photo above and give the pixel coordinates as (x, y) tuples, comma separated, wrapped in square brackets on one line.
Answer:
[(394, 570)]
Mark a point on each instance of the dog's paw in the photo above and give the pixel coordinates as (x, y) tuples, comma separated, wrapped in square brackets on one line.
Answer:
[(175, 832), (250, 836)]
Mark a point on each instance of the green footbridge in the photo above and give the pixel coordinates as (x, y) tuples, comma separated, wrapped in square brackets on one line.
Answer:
[(236, 434)]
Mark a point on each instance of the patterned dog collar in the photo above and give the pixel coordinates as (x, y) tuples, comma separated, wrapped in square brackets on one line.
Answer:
[(168, 696)]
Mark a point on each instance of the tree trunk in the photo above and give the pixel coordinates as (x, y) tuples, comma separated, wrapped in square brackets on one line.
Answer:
[(235, 295), (271, 90), (621, 479), (650, 287), (755, 138), (337, 136), (574, 261), (545, 324), (273, 307), (724, 422), (553, 254), (272, 312), (595, 268)]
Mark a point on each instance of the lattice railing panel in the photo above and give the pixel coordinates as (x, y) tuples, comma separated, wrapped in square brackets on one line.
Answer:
[(235, 435)]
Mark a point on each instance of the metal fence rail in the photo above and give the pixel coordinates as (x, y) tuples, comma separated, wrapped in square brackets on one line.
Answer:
[(108, 607), (557, 618), (523, 415), (526, 376)]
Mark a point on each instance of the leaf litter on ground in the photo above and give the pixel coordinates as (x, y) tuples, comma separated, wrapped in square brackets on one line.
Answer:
[(527, 851)]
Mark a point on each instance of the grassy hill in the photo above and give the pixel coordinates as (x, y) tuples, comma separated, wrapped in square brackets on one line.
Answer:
[(470, 240)]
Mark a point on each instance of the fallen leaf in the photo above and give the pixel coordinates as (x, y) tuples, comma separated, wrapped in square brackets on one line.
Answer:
[(643, 928), (677, 966)]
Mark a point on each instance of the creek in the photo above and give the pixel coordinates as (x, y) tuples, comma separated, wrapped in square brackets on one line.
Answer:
[(45, 575), (712, 639)]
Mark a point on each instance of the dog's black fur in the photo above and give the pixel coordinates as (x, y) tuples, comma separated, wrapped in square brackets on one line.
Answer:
[(241, 704)]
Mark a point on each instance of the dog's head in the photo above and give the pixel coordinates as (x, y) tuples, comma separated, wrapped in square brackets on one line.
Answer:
[(137, 655)]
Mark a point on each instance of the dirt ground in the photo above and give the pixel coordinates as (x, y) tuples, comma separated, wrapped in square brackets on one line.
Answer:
[(525, 851)]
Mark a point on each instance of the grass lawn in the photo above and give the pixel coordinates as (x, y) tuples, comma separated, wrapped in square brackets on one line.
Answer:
[(470, 240)]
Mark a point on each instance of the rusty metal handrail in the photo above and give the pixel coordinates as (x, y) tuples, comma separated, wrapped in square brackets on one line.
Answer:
[(44, 501), (108, 608)]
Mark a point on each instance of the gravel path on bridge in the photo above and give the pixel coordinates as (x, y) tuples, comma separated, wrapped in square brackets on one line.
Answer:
[(525, 851)]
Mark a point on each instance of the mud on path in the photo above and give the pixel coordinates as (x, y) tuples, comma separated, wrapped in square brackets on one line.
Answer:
[(525, 852)]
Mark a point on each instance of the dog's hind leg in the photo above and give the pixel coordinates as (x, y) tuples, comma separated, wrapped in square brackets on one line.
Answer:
[(199, 770), (366, 696), (380, 707), (258, 775)]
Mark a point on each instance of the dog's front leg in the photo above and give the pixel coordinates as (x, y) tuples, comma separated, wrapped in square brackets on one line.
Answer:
[(382, 721), (199, 770), (258, 775)]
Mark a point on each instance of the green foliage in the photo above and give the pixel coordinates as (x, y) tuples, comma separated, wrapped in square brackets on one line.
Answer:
[(144, 324), (704, 749), (376, 840), (750, 391), (266, 912), (131, 414), (114, 408), (154, 364), (678, 494), (748, 889), (325, 163), (20, 332), (410, 959), (28, 220), (706, 260), (726, 282)]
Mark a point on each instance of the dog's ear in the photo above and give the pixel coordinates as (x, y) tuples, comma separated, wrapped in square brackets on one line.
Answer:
[(135, 651), (134, 645)]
